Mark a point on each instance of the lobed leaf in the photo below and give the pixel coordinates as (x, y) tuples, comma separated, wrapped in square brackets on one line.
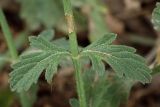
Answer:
[(42, 44), (31, 65), (129, 68), (106, 39), (121, 58), (52, 68)]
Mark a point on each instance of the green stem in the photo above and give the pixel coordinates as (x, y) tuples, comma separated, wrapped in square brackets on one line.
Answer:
[(75, 52), (80, 84), (8, 36), (13, 52)]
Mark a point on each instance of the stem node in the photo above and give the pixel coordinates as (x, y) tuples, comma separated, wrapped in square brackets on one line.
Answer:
[(75, 52)]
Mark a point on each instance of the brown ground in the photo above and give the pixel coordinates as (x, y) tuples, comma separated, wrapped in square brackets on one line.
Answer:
[(122, 21)]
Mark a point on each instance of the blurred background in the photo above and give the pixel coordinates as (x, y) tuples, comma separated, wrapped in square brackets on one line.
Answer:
[(130, 19)]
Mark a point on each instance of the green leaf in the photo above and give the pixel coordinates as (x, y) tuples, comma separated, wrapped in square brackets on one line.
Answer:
[(97, 65), (47, 34), (52, 68), (107, 39), (41, 12), (5, 57), (74, 103), (62, 42), (31, 65), (28, 98), (106, 91), (130, 68), (78, 3), (121, 58), (116, 93), (156, 16), (98, 28)]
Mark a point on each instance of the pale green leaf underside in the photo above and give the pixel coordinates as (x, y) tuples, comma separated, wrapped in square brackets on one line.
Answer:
[(31, 65), (122, 59)]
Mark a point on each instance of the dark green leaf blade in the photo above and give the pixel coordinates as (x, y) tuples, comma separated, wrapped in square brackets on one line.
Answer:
[(121, 58), (130, 68)]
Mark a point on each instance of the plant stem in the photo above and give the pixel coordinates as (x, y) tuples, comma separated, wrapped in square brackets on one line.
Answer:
[(8, 36), (13, 52), (75, 52)]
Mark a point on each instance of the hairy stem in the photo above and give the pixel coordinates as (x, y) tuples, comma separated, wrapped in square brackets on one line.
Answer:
[(75, 52), (13, 52)]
